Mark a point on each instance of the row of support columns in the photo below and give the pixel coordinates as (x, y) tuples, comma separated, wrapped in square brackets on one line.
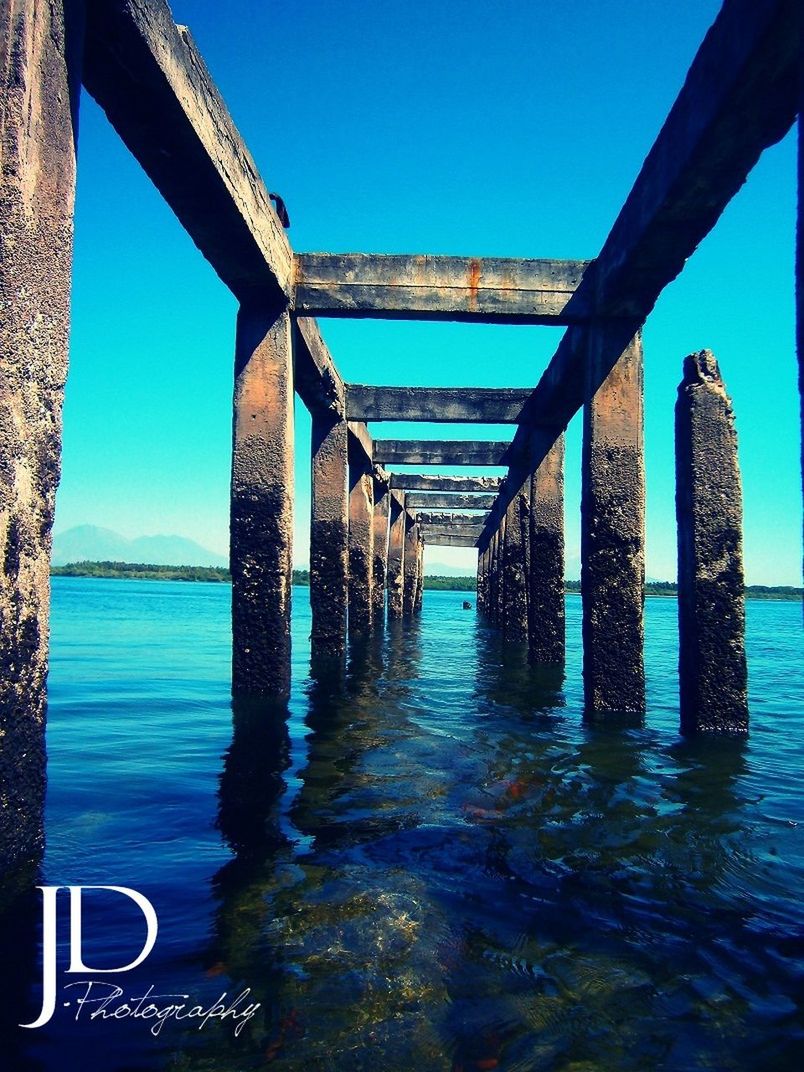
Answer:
[(521, 569)]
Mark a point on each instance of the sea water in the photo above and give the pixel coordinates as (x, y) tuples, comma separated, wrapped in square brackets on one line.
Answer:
[(427, 860)]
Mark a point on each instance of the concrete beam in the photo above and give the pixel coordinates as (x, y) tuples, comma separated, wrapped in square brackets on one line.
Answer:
[(360, 438), (711, 601), (447, 519), (739, 97), (436, 405), (401, 287), (445, 539), (40, 62), (424, 482), (447, 501), (318, 382), (261, 520), (149, 78), (439, 452)]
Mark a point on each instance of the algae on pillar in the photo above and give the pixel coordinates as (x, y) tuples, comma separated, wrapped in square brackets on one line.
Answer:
[(361, 539), (41, 76), (380, 523), (396, 555), (261, 518), (613, 530), (546, 626), (711, 601), (329, 532)]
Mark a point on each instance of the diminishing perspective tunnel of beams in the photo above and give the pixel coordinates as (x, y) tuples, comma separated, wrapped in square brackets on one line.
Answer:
[(369, 522)]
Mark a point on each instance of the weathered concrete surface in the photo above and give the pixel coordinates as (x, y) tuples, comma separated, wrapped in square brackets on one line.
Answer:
[(711, 603), (329, 533), (423, 482), (439, 452), (515, 604), (429, 501), (439, 405), (613, 535), (261, 521), (318, 382), (482, 581), (436, 538), (417, 600), (40, 52), (546, 603), (361, 541), (396, 555), (738, 98), (447, 520), (382, 505), (488, 289), (410, 564), (149, 78)]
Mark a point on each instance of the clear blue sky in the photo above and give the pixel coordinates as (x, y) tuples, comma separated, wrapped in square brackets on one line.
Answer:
[(513, 129)]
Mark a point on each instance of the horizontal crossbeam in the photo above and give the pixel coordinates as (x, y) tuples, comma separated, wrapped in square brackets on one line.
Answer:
[(423, 500), (444, 519), (424, 287), (439, 452), (438, 405), (448, 539), (425, 482)]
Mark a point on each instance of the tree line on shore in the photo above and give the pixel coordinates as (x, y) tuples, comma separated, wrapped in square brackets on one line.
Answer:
[(221, 575)]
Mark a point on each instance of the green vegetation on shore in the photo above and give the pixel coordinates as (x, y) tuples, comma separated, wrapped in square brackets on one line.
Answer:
[(219, 574)]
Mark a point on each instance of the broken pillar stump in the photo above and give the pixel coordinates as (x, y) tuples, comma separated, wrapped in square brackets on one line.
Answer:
[(711, 601)]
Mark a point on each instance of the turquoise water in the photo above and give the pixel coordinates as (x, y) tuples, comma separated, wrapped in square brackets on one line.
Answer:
[(432, 863)]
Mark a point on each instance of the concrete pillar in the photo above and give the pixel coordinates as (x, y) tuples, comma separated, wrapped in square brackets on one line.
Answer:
[(546, 605), (361, 540), (40, 49), (417, 602), (261, 519), (501, 575), (396, 557), (329, 532), (494, 586), (711, 602), (382, 499), (515, 604), (613, 532), (480, 600), (800, 235), (411, 564)]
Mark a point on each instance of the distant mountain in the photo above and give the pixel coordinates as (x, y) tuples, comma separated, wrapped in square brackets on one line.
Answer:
[(89, 543)]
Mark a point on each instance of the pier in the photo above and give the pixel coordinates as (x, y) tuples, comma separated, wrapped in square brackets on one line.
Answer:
[(372, 523)]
